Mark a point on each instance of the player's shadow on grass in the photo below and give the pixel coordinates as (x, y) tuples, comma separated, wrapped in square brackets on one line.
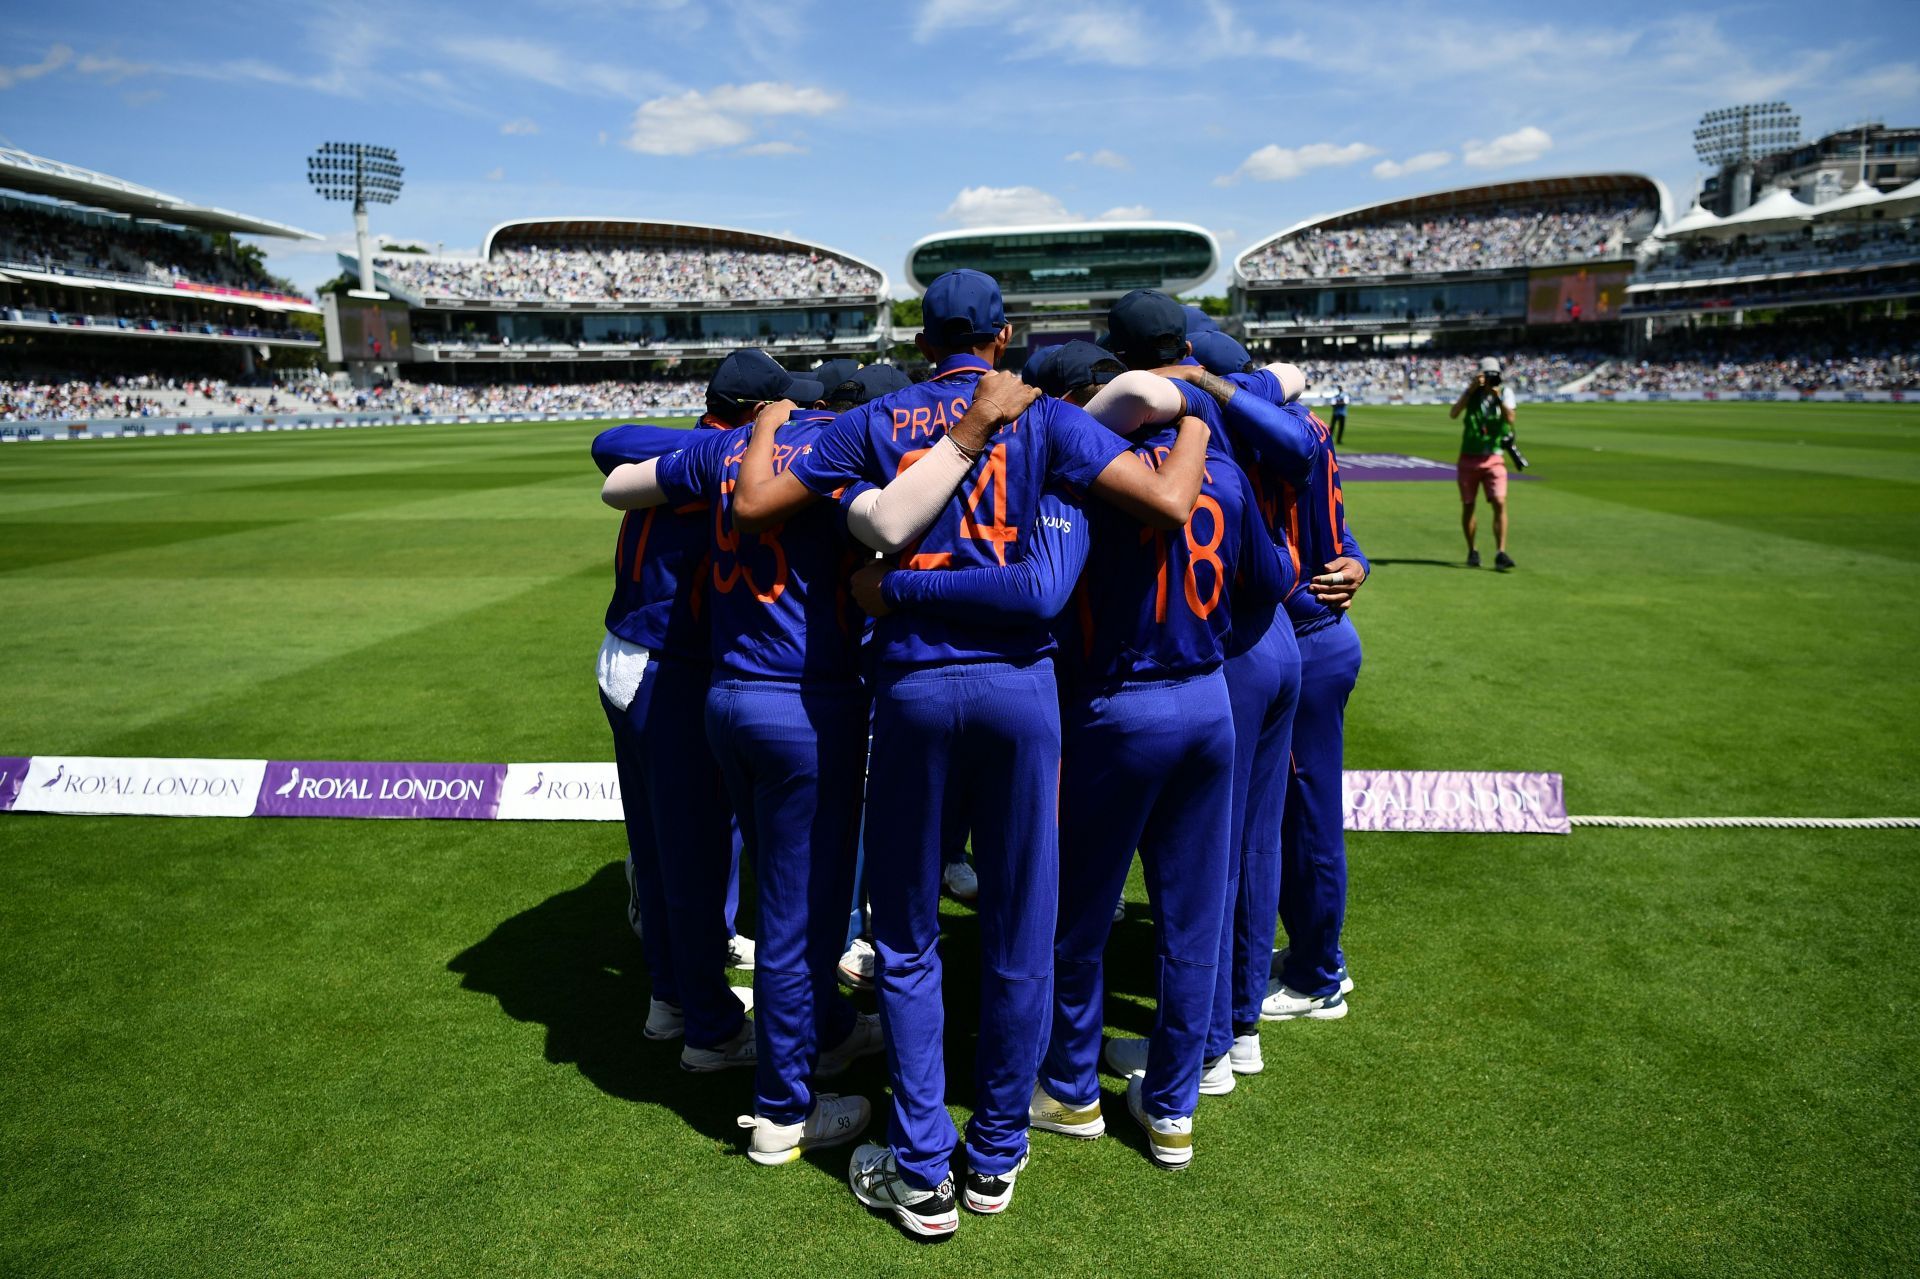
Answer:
[(571, 964)]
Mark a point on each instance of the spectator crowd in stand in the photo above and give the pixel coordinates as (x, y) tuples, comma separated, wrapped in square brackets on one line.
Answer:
[(58, 243), (1474, 239), (57, 398), (659, 274)]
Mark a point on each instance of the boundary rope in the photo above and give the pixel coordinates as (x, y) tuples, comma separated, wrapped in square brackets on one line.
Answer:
[(1778, 823)]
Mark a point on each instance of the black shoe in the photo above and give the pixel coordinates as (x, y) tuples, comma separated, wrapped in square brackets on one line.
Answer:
[(1503, 560), (992, 1194), (1473, 559), (877, 1183)]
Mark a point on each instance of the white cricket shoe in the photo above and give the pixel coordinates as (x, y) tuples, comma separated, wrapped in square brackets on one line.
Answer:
[(1284, 1003), (1245, 1056), (1170, 1140), (1049, 1114), (669, 1021), (834, 1121), (740, 952), (1280, 963), (961, 881), (741, 1050), (1120, 910), (877, 1183), (857, 965), (864, 1040), (1125, 1056), (1128, 1057), (988, 1195)]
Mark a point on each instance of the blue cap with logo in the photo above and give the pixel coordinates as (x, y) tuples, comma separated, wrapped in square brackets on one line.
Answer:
[(1219, 353), (751, 376), (962, 306), (1147, 328), (1199, 321)]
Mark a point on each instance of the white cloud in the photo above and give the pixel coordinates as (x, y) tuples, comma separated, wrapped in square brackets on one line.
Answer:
[(1413, 164), (547, 65), (1103, 158), (775, 147), (56, 57), (520, 128), (496, 173), (1126, 213), (1519, 147), (1273, 163), (726, 116), (1105, 35), (1005, 206), (1895, 80)]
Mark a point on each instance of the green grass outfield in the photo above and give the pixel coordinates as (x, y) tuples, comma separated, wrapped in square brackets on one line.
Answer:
[(412, 1048)]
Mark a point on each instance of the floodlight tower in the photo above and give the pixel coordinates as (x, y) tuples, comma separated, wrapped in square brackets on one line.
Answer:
[(1732, 138), (357, 172)]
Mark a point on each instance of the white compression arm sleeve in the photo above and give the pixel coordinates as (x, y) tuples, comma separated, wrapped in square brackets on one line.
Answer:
[(1134, 399), (887, 519), (1292, 380), (632, 486)]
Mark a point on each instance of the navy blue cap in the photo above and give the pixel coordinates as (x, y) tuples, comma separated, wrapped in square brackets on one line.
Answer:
[(751, 376), (834, 372), (1147, 328), (1035, 368), (1074, 364), (877, 380), (1218, 353), (962, 306), (1199, 321)]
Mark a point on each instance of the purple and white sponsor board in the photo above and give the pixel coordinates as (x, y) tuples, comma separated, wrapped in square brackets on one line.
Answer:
[(1376, 800), (145, 787), (1392, 466), (561, 793), (1509, 803), (339, 788), (13, 771)]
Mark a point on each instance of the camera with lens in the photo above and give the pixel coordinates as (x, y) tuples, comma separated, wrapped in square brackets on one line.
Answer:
[(1511, 447)]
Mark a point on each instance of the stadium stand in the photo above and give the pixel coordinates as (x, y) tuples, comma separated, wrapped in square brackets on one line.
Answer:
[(565, 273), (53, 240), (1472, 239)]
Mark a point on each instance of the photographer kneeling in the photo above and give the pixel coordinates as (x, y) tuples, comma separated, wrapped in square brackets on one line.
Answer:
[(1489, 428)]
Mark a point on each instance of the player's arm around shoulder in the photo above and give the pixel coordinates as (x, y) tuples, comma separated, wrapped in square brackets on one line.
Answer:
[(1160, 498), (763, 497)]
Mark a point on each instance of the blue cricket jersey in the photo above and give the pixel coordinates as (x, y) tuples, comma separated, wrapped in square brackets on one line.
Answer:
[(1038, 587), (1296, 477), (989, 520), (660, 561), (779, 600), (1158, 604)]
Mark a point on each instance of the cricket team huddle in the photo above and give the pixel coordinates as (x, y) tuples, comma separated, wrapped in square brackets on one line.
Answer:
[(1049, 619)]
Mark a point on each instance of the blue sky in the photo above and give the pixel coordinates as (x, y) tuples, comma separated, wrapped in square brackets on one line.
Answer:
[(867, 126)]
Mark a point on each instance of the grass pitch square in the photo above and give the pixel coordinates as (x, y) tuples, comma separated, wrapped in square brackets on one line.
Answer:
[(413, 1048)]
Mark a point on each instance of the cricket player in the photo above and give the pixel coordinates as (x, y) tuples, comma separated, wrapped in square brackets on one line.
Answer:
[(655, 667), (1150, 756), (786, 717), (1264, 418), (965, 714)]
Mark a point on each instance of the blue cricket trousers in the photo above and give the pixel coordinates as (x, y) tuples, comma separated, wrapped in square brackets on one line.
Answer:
[(672, 792), (980, 739), (1264, 686), (792, 755), (1313, 872), (1148, 767)]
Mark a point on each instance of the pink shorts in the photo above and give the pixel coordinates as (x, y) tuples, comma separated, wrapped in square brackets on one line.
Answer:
[(1482, 470)]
